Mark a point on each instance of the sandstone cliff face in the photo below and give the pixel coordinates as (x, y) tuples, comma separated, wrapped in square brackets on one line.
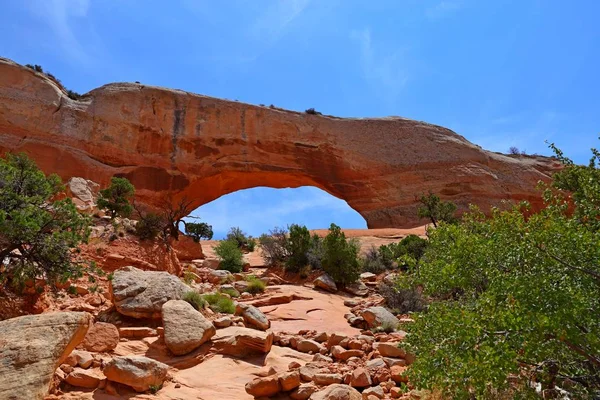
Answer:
[(174, 144)]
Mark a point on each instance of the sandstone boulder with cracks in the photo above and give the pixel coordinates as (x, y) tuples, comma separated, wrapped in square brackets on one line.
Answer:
[(242, 342), (337, 392), (138, 372), (141, 294), (32, 347), (325, 282), (185, 328), (379, 316), (253, 316)]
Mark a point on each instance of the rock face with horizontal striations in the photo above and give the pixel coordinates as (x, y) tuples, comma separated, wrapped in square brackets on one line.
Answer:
[(32, 347), (174, 144), (141, 294), (185, 328), (242, 342)]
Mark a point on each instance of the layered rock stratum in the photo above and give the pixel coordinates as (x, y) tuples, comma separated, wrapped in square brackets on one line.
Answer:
[(173, 144)]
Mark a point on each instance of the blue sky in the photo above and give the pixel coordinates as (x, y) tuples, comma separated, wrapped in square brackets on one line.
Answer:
[(501, 73)]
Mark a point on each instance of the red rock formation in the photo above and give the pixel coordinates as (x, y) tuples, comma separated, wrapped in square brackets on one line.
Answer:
[(171, 143)]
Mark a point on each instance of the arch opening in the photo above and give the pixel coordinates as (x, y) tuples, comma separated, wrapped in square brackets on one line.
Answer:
[(258, 210)]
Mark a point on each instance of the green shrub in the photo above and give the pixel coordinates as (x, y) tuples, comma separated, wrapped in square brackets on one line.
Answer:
[(188, 277), (413, 246), (255, 285), (315, 253), (116, 197), (274, 246), (402, 300), (230, 291), (220, 303), (149, 226), (514, 294), (340, 258), (42, 229), (377, 261), (195, 299), (312, 111), (198, 230), (230, 255), (251, 244), (298, 245), (436, 210)]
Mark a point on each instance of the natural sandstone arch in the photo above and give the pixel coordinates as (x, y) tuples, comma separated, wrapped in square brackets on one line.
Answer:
[(174, 143)]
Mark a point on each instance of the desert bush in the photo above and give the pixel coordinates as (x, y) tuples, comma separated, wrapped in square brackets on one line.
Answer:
[(312, 111), (255, 285), (37, 233), (116, 198), (242, 240), (198, 230), (377, 260), (230, 255), (274, 246), (315, 253), (195, 299), (436, 210), (298, 245), (517, 294), (402, 300), (188, 277), (219, 303), (149, 226), (231, 292), (340, 256)]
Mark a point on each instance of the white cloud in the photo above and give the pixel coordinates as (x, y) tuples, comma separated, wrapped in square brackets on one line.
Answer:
[(381, 67), (443, 9), (58, 15)]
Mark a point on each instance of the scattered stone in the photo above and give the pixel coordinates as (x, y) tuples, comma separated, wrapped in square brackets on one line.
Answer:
[(360, 378), (289, 380), (222, 322), (321, 337), (389, 349), (138, 372), (376, 391), (266, 386), (242, 342), (219, 276), (89, 379), (337, 392), (294, 365), (358, 289), (306, 346), (390, 361), (327, 379), (253, 316), (325, 282), (375, 364), (320, 357), (141, 294), (185, 328), (101, 337), (308, 372), (351, 302), (377, 316), (335, 339), (78, 357), (137, 332), (368, 276), (32, 346), (397, 374), (304, 391), (396, 392), (339, 353)]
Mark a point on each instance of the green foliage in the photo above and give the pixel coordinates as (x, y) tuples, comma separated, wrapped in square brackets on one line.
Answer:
[(386, 327), (154, 388), (73, 95), (376, 260), (514, 294), (230, 256), (220, 303), (37, 233), (274, 246), (436, 210), (149, 226), (198, 230), (231, 292), (116, 197), (195, 299), (255, 285), (340, 257), (242, 240), (188, 277), (313, 111), (298, 244), (400, 299)]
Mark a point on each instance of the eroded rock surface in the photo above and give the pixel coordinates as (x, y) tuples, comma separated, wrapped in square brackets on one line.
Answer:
[(185, 328), (174, 144), (32, 347)]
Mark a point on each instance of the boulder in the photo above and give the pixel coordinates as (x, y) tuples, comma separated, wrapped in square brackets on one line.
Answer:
[(337, 392), (289, 380), (89, 379), (323, 379), (375, 391), (185, 328), (32, 347), (397, 374), (83, 193), (304, 391), (219, 276), (389, 349), (308, 371), (78, 357), (307, 346), (222, 322), (138, 372), (141, 294), (339, 353), (360, 378), (263, 386), (325, 282), (357, 288), (242, 342), (368, 276), (378, 316), (101, 337), (253, 316), (137, 332)]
